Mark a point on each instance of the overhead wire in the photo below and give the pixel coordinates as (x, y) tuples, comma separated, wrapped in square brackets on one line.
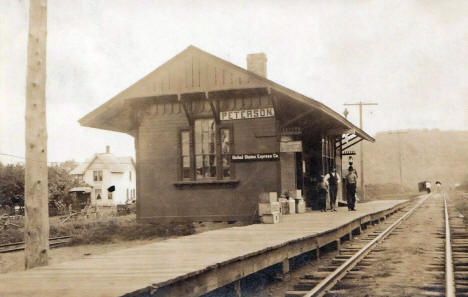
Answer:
[(61, 162)]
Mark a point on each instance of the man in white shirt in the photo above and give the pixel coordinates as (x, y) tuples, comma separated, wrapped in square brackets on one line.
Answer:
[(332, 179)]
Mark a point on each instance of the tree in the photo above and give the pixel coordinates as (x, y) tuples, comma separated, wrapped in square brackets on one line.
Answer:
[(12, 185), (60, 181), (68, 165)]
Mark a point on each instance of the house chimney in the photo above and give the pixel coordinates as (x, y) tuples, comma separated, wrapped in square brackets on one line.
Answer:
[(257, 64), (107, 149)]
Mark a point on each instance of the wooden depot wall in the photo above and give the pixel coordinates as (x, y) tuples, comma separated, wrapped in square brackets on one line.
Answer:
[(161, 198)]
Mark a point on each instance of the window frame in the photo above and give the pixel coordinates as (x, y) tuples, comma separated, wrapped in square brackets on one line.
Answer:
[(204, 155), (230, 128), (98, 193), (97, 175), (328, 154), (191, 154), (218, 153)]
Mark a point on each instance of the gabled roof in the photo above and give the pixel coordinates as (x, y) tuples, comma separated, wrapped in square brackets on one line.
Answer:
[(81, 168), (106, 161), (196, 71)]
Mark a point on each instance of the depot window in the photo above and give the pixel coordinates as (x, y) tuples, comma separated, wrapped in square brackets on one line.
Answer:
[(205, 151), (328, 154)]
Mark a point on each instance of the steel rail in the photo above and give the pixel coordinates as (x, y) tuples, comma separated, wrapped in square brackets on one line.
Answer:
[(19, 246), (22, 242), (449, 274), (328, 283)]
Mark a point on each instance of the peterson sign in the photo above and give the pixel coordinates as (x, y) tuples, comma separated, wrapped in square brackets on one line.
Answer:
[(247, 114)]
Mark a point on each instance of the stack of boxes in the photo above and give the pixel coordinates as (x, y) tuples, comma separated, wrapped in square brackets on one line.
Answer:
[(269, 208), (288, 205), (299, 201), (283, 205)]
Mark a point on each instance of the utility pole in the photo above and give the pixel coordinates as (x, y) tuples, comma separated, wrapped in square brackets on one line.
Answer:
[(361, 147), (400, 157), (36, 231)]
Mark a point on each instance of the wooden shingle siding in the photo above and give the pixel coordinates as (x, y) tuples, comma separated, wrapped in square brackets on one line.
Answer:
[(159, 165)]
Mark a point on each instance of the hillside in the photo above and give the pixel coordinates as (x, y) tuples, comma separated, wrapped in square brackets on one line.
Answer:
[(426, 155)]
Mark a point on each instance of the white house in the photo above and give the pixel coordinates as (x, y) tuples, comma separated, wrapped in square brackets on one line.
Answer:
[(105, 170)]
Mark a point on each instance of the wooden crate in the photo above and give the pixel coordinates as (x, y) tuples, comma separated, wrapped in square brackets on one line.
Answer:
[(268, 208), (273, 218)]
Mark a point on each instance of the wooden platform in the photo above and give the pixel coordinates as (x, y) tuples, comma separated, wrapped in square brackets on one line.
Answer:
[(196, 264)]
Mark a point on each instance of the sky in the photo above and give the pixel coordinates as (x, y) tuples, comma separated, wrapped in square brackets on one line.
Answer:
[(410, 57)]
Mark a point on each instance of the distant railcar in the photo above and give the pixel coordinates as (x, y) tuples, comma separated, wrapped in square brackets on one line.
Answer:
[(422, 186)]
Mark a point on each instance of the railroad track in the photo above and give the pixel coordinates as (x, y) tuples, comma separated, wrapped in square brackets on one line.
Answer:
[(19, 246), (459, 250), (444, 274)]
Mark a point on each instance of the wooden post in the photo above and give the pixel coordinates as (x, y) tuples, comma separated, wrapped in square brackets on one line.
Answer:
[(285, 269), (317, 251), (237, 288), (36, 231)]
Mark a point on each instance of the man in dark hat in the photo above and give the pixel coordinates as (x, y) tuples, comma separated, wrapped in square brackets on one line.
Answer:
[(438, 186), (351, 179)]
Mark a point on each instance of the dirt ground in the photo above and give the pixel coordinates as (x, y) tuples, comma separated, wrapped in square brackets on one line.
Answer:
[(410, 259), (460, 200), (408, 266)]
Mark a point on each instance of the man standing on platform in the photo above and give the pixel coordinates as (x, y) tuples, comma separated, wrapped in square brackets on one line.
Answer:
[(351, 178), (332, 180), (322, 193)]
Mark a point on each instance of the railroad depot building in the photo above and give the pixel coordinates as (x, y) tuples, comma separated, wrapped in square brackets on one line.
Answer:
[(211, 136)]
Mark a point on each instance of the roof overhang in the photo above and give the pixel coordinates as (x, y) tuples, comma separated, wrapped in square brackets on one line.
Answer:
[(346, 126), (80, 189), (118, 114), (117, 117)]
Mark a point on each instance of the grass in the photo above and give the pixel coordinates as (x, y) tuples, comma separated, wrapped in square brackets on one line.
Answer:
[(461, 203), (103, 230)]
